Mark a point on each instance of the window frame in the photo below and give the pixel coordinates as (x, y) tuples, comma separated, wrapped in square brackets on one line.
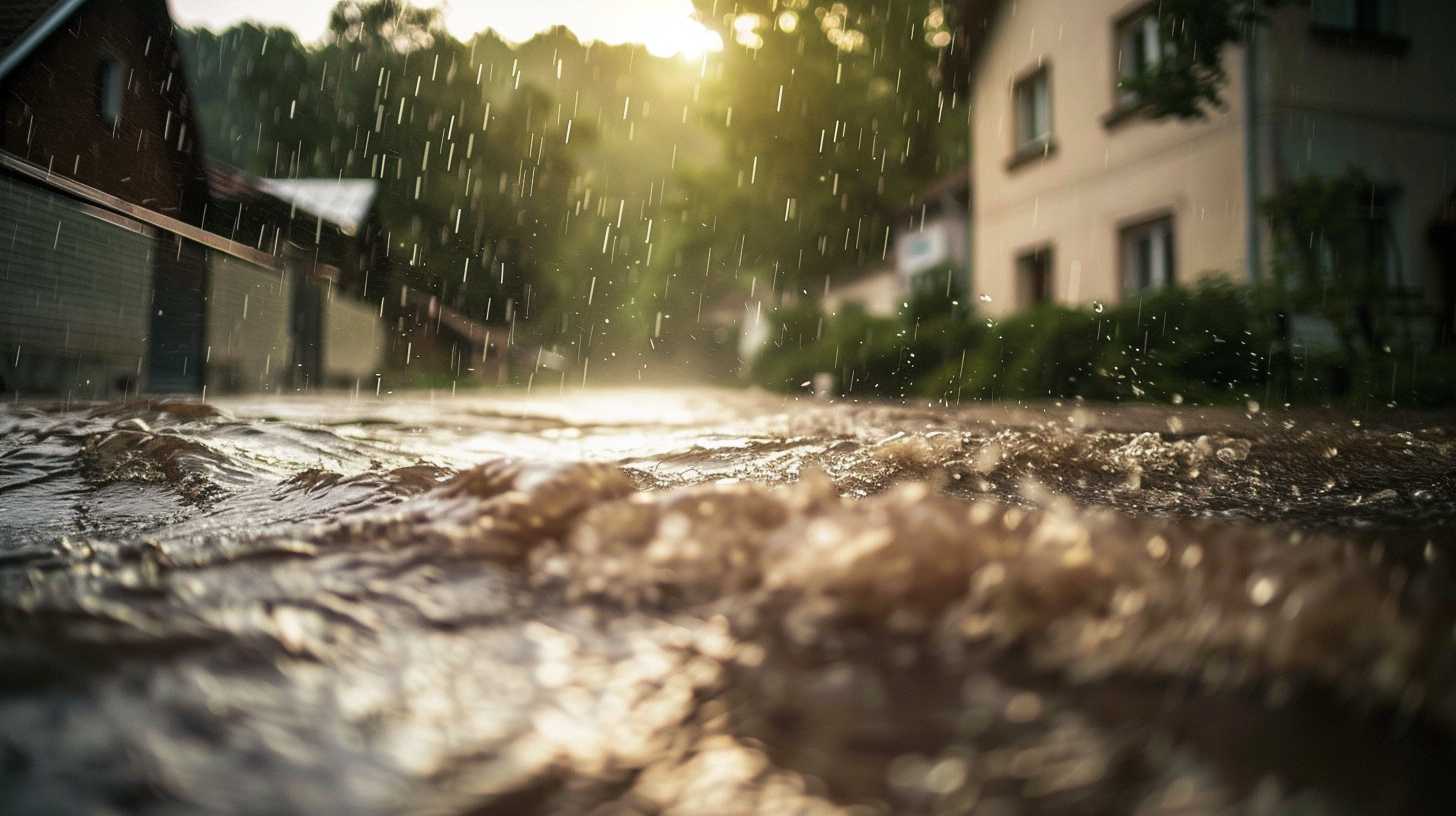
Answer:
[(1143, 10), (1042, 146), (1124, 106), (1021, 263), (1146, 222), (111, 90), (1391, 40), (1354, 25)]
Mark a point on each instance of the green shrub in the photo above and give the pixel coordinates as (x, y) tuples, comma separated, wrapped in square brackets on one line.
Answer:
[(1042, 353), (1208, 344), (1410, 379), (871, 356), (1198, 344), (1213, 343)]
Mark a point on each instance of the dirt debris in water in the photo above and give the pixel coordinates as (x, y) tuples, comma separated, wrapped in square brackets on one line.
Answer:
[(737, 605)]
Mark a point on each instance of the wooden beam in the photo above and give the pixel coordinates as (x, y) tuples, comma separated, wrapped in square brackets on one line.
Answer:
[(106, 201)]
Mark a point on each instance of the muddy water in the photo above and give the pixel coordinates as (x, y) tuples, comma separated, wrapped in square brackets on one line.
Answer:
[(716, 603)]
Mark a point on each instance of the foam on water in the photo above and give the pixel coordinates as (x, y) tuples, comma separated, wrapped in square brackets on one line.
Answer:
[(731, 604)]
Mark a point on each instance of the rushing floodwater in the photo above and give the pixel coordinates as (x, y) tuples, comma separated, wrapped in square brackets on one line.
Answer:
[(718, 603)]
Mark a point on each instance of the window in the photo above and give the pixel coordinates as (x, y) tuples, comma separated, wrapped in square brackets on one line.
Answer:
[(1385, 216), (1147, 255), (1140, 48), (1033, 99), (1372, 245), (1358, 16), (1034, 277), (110, 92)]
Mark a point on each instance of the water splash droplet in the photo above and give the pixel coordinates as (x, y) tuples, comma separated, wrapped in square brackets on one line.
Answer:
[(1262, 590)]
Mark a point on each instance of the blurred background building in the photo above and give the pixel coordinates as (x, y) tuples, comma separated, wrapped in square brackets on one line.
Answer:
[(931, 249), (131, 263), (1081, 198)]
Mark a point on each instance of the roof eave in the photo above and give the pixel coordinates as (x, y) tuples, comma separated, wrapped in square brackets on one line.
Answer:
[(37, 34), (976, 21)]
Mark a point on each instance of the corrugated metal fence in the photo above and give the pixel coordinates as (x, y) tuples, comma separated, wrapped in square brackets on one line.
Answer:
[(99, 298), (75, 291)]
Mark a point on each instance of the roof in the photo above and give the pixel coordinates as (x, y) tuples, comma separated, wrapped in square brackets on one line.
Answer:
[(955, 183), (229, 183), (24, 24), (342, 202), (953, 186), (17, 16), (345, 202)]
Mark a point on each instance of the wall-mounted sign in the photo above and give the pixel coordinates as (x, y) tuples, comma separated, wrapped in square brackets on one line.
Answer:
[(921, 249)]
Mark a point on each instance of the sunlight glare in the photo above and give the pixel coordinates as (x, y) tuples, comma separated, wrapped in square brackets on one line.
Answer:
[(665, 27), (684, 37)]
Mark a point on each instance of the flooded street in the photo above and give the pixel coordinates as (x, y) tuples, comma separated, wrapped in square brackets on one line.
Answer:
[(716, 602), (632, 407)]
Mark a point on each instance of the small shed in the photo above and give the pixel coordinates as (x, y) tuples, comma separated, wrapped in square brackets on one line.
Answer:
[(101, 199), (304, 321)]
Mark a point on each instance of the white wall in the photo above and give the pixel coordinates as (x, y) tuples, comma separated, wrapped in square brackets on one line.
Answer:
[(879, 292)]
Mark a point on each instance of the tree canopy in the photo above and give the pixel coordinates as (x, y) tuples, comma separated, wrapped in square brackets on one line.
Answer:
[(1190, 79), (602, 194)]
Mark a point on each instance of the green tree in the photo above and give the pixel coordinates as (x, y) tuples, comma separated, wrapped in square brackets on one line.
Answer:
[(380, 25), (1331, 257), (475, 173), (1189, 80), (833, 120)]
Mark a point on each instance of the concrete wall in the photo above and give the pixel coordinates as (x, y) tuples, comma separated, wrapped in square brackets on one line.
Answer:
[(880, 293), (353, 340), (1099, 177), (249, 347), (254, 324)]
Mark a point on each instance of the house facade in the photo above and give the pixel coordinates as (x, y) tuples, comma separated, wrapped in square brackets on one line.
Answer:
[(127, 266), (99, 162), (930, 247), (94, 91), (1079, 200)]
